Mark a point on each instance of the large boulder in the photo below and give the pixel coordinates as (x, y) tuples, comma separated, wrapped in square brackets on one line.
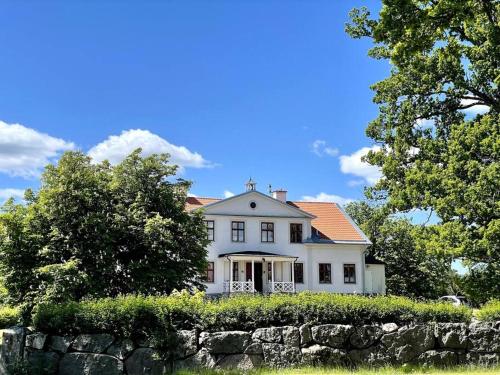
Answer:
[(271, 334), (333, 335), (291, 336), (438, 358), (36, 340), (323, 355), (278, 355), (42, 362), (408, 342), (228, 342), (60, 344), (241, 362), (482, 359), (90, 364), (12, 347), (121, 349), (389, 327), (254, 348), (202, 359), (96, 343), (305, 334), (451, 335), (371, 356), (365, 336), (186, 343), (145, 361), (483, 338)]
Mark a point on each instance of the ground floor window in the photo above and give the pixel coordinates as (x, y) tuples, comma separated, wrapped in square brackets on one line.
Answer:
[(325, 273), (209, 273), (299, 273), (349, 274), (269, 272)]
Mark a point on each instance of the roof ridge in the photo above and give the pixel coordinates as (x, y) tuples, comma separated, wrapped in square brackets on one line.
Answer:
[(204, 197)]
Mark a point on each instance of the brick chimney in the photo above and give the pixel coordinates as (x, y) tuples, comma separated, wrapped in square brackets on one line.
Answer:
[(280, 194)]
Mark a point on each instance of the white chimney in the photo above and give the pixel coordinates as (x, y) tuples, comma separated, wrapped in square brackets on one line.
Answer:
[(280, 194)]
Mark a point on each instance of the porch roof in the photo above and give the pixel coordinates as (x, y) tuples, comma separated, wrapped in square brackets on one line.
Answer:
[(257, 255)]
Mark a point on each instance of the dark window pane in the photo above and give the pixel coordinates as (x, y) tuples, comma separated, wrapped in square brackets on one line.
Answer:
[(349, 274), (295, 233), (299, 273), (325, 273)]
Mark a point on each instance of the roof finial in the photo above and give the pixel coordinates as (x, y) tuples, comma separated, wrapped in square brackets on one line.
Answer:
[(251, 185)]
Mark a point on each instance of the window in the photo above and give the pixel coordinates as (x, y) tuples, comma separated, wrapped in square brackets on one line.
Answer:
[(209, 273), (349, 274), (238, 231), (267, 232), (210, 229), (269, 272), (299, 273), (295, 233), (236, 274), (325, 273)]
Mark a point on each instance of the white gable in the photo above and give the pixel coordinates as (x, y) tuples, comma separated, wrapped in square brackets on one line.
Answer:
[(264, 206)]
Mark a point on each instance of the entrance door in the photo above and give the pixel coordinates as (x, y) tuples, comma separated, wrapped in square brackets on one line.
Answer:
[(258, 275)]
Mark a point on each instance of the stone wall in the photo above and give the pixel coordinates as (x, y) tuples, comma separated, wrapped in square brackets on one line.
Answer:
[(442, 344)]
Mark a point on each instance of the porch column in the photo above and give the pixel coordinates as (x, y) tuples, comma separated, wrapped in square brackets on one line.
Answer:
[(292, 263), (253, 276), (272, 276), (230, 275)]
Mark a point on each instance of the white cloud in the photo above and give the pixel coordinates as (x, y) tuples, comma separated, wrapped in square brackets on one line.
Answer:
[(228, 194), (324, 197), (357, 182), (116, 147), (5, 194), (320, 148), (352, 164), (476, 109), (25, 151)]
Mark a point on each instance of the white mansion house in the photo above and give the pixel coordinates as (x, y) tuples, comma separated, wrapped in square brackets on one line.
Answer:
[(262, 243)]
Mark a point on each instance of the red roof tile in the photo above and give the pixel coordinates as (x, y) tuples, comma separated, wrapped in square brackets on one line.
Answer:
[(197, 202), (330, 221)]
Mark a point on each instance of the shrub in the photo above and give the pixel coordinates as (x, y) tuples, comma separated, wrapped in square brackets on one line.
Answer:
[(490, 311), (9, 316), (154, 317)]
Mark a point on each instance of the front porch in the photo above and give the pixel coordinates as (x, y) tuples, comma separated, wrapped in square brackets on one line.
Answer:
[(258, 272)]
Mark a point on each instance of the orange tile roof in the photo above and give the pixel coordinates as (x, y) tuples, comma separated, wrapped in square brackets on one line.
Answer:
[(330, 221), (197, 202)]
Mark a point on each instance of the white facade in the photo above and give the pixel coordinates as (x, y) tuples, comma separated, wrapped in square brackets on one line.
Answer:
[(255, 258)]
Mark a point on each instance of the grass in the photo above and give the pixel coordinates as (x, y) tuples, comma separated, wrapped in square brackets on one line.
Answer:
[(340, 371)]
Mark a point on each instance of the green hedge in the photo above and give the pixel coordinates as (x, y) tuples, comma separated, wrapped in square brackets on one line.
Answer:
[(9, 316), (138, 316), (490, 311)]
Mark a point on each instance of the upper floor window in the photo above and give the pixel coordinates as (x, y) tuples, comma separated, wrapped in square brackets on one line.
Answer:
[(238, 231), (267, 232), (325, 273), (295, 233), (299, 273), (349, 274), (209, 273), (210, 229)]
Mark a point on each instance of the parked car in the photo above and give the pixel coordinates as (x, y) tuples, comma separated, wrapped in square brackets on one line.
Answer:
[(455, 300)]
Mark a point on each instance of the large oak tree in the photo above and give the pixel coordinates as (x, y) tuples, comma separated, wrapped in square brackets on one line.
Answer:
[(438, 125)]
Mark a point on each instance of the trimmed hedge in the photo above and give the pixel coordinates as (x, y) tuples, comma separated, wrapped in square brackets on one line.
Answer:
[(138, 316), (9, 316), (490, 311)]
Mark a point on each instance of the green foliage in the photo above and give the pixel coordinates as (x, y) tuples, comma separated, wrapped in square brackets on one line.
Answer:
[(490, 311), (9, 316), (410, 271), (437, 151), (154, 317), (96, 230)]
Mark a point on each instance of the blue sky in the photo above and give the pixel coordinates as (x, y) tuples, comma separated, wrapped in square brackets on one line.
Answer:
[(270, 89)]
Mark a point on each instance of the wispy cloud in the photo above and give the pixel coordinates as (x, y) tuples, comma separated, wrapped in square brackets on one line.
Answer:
[(228, 194), (25, 151), (324, 197), (5, 194), (476, 109), (320, 148), (116, 147), (352, 164)]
